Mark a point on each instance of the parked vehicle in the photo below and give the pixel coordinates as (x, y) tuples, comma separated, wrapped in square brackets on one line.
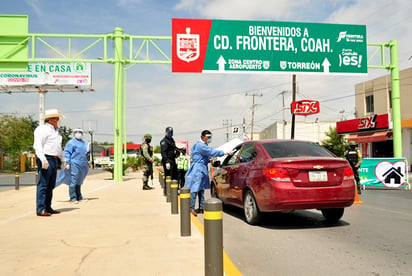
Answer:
[(101, 161), (284, 175)]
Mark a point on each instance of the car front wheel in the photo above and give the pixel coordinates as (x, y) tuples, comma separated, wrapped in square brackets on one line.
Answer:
[(250, 207), (333, 214)]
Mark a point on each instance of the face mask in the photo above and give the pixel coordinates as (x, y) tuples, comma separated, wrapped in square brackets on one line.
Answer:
[(209, 140), (148, 141), (78, 135), (169, 134)]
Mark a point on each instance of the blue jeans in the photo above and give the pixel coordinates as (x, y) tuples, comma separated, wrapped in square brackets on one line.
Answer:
[(74, 192), (45, 186), (201, 195)]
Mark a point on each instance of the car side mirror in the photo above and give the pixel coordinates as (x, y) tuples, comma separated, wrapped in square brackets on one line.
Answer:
[(216, 163)]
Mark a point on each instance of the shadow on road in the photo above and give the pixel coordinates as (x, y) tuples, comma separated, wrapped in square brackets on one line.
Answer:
[(299, 219)]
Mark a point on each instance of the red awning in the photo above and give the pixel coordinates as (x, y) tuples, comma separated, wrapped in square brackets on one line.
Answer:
[(369, 137)]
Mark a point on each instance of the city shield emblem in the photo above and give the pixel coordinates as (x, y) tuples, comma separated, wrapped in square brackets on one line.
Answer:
[(266, 64), (283, 65), (188, 46)]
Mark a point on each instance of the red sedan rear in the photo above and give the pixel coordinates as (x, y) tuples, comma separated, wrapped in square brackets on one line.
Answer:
[(283, 175)]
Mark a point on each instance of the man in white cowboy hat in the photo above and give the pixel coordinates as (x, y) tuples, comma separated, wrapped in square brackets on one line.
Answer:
[(48, 147)]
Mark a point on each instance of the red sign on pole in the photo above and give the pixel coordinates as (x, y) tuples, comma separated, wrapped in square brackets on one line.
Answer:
[(305, 107)]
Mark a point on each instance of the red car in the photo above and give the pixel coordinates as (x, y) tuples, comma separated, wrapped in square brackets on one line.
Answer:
[(284, 175)]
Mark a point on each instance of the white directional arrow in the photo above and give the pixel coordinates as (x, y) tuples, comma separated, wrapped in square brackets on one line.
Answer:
[(326, 65), (221, 61)]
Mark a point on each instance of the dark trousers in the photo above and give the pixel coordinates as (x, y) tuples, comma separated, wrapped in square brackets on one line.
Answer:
[(357, 179), (45, 186), (172, 172), (75, 193), (181, 177)]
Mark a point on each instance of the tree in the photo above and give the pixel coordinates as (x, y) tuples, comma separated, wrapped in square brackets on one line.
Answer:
[(335, 142), (16, 134), (65, 132)]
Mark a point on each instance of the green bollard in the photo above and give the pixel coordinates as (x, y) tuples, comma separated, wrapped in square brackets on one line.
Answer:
[(173, 196), (213, 241), (16, 181), (185, 229), (168, 183)]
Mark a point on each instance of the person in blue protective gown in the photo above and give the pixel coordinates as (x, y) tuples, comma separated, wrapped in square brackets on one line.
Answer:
[(75, 171), (197, 177)]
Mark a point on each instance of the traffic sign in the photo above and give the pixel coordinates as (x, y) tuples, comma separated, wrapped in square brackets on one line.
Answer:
[(230, 46)]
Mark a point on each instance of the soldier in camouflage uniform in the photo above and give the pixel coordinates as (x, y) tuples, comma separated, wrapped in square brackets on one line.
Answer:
[(147, 152)]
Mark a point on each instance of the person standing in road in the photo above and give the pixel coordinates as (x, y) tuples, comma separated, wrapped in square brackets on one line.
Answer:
[(169, 153), (75, 171), (147, 152), (183, 163), (197, 177), (354, 157), (48, 147)]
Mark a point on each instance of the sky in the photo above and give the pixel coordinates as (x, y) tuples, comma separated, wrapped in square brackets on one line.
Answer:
[(157, 98)]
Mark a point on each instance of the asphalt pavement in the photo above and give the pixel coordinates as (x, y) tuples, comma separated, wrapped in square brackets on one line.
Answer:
[(120, 230)]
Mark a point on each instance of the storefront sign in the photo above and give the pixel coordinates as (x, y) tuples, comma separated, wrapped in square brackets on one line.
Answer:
[(76, 73), (373, 122), (367, 122), (305, 107), (383, 172)]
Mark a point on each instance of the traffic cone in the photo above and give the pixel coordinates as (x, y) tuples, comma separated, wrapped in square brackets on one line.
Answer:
[(357, 201)]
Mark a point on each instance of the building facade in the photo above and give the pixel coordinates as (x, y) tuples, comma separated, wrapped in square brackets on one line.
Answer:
[(304, 130), (372, 128)]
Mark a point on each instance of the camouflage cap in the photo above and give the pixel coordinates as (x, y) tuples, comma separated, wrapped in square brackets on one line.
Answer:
[(148, 136)]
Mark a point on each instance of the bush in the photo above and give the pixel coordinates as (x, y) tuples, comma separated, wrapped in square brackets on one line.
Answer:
[(11, 163)]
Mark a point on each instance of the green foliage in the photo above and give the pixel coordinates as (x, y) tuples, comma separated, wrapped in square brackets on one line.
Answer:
[(65, 132), (134, 162), (157, 149), (335, 142), (16, 134), (11, 163)]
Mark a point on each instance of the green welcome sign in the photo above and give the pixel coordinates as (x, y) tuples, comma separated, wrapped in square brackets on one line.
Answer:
[(230, 46)]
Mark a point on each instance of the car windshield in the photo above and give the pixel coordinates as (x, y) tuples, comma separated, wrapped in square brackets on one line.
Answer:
[(295, 148)]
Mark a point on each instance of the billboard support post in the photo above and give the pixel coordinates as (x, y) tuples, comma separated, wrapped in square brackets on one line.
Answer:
[(118, 103), (396, 100)]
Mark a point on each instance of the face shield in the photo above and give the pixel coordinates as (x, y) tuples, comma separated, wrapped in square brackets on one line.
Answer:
[(209, 138)]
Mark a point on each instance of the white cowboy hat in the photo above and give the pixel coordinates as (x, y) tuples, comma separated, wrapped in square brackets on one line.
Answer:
[(52, 113)]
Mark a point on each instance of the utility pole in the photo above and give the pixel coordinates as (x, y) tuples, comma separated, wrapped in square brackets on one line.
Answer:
[(292, 133), (253, 111), (227, 126), (90, 126), (283, 114)]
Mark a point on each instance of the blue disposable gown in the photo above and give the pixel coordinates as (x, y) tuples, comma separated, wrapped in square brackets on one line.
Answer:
[(197, 177), (75, 152)]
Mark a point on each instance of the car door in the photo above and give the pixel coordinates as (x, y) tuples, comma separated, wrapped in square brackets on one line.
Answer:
[(227, 168), (240, 173)]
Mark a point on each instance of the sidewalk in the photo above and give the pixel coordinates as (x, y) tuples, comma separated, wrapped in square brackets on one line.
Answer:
[(121, 230)]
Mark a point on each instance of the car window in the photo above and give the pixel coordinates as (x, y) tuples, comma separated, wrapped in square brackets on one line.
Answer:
[(248, 153), (295, 148), (232, 160)]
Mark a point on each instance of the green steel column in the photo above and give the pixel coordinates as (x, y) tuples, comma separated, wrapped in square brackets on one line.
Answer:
[(124, 113), (118, 104), (396, 100)]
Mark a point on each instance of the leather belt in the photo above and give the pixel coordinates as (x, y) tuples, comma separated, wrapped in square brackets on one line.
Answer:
[(51, 156)]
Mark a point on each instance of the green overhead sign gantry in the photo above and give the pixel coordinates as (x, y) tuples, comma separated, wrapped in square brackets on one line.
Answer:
[(18, 47)]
